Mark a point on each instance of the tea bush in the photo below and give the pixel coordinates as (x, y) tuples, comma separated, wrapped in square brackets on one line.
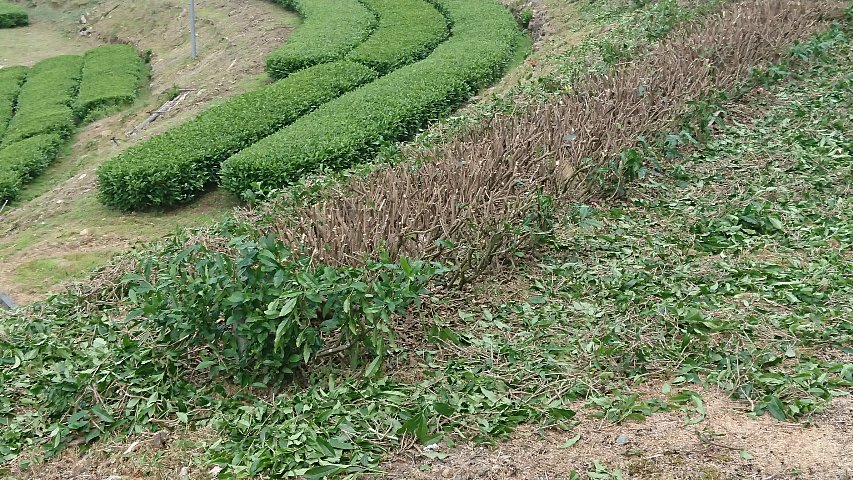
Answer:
[(408, 31), (351, 128), (11, 79), (44, 103), (177, 165), (112, 75), (258, 310), (10, 185), (330, 30), (12, 15), (22, 161)]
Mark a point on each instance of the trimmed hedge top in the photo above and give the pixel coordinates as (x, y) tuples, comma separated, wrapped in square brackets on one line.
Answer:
[(408, 31), (176, 166), (12, 15), (271, 135), (351, 128), (11, 79), (330, 30), (112, 75), (44, 104)]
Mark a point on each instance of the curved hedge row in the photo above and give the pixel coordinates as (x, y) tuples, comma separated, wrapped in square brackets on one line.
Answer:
[(351, 128), (330, 30), (44, 103), (408, 31), (13, 15), (22, 161), (177, 165), (11, 79), (112, 75)]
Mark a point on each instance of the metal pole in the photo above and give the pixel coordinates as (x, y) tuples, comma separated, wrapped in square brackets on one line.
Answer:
[(192, 28)]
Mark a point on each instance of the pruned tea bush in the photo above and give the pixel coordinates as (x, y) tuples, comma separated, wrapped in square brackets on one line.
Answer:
[(260, 310), (177, 165), (22, 161), (408, 31), (330, 30), (12, 15), (11, 79), (350, 129), (471, 201), (112, 75), (44, 103)]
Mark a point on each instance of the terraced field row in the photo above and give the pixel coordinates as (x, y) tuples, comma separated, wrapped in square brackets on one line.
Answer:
[(355, 75), (41, 106), (331, 28), (12, 15)]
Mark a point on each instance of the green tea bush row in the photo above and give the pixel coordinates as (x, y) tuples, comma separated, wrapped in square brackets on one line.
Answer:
[(10, 185), (112, 75), (22, 161), (408, 31), (11, 79), (351, 128), (12, 15), (176, 166), (44, 103), (331, 29)]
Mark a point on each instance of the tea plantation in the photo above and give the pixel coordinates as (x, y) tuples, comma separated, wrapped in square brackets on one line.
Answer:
[(374, 72), (630, 258), (40, 107)]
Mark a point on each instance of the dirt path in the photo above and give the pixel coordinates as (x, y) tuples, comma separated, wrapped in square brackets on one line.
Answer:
[(727, 444)]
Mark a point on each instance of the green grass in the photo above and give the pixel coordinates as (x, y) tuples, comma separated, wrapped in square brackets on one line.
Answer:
[(43, 274), (88, 213), (66, 166), (522, 49)]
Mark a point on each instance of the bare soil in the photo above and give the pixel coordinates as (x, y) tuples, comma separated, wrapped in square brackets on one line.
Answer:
[(727, 444)]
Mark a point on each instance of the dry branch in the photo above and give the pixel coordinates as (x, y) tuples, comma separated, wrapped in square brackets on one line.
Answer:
[(165, 108), (463, 203)]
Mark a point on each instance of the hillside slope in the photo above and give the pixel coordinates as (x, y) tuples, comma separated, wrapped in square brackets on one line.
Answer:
[(59, 230)]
